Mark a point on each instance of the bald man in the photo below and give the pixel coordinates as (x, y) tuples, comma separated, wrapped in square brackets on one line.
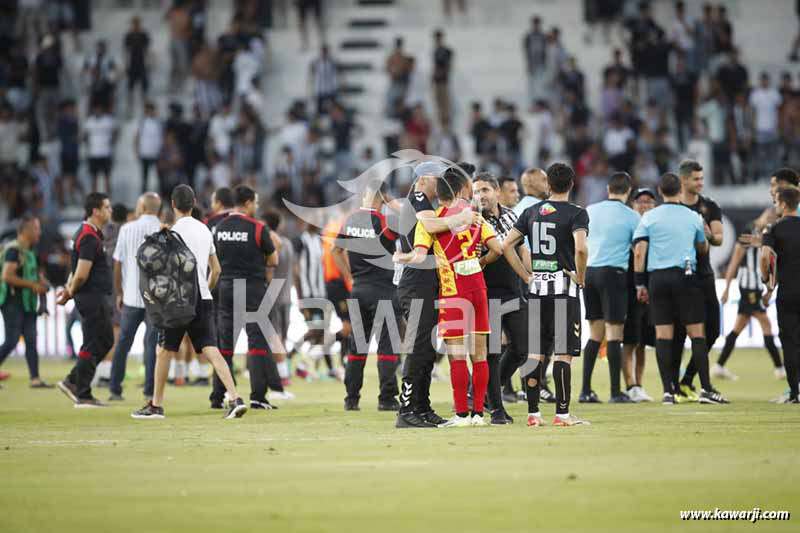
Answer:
[(129, 299), (534, 188)]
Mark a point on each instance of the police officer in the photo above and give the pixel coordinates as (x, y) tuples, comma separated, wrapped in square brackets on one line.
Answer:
[(90, 285), (782, 240), (245, 250), (671, 237), (365, 246), (611, 228)]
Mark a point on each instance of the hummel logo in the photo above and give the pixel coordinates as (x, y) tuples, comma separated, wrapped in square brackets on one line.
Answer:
[(577, 329)]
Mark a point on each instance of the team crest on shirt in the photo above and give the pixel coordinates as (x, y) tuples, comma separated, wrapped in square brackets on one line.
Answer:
[(546, 209)]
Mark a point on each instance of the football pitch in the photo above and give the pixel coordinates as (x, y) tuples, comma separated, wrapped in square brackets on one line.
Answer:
[(310, 466)]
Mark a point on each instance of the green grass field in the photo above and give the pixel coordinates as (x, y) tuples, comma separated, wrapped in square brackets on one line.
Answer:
[(312, 467)]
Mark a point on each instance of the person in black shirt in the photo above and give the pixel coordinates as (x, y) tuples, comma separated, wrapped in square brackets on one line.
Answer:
[(137, 44), (245, 250), (511, 129), (556, 231), (691, 175), (364, 245), (780, 263), (442, 64), (90, 284), (503, 287), (684, 90), (221, 206)]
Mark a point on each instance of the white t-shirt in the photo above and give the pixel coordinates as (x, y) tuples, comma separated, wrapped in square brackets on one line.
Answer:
[(100, 131), (616, 140), (198, 238), (220, 130), (150, 137), (766, 102)]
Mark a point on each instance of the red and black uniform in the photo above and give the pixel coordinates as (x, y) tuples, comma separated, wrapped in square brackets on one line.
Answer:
[(370, 244), (94, 306), (243, 243)]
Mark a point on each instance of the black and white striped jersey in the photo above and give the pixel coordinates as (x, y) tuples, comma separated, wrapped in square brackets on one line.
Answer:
[(501, 280), (549, 227), (748, 275), (308, 250)]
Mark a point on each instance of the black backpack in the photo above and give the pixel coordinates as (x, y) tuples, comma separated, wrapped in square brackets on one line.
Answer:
[(168, 279)]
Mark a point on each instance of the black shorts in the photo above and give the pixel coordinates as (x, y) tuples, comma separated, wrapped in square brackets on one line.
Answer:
[(338, 294), (676, 298), (136, 77), (100, 165), (606, 294), (69, 164), (254, 294), (750, 302), (202, 330), (638, 326), (558, 321)]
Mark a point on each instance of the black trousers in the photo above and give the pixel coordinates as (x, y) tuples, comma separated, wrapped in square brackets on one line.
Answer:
[(362, 319), (789, 331), (419, 363), (515, 326), (98, 338), (260, 363), (711, 326)]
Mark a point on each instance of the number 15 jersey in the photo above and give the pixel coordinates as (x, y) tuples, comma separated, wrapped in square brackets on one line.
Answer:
[(549, 226)]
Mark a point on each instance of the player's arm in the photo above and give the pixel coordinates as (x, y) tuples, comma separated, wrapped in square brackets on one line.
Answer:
[(489, 239), (215, 271), (581, 256), (525, 255), (639, 274), (765, 266), (513, 238), (423, 240), (733, 265), (434, 224), (342, 262), (713, 233)]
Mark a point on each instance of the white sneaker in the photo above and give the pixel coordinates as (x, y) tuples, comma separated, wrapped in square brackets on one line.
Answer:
[(457, 422), (721, 372), (275, 395), (642, 395), (633, 394), (477, 420), (780, 373)]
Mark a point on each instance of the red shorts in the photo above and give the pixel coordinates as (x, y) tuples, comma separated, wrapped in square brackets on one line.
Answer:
[(463, 314)]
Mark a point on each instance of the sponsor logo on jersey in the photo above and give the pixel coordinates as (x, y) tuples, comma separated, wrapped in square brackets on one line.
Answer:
[(232, 236), (541, 264), (546, 209), (361, 233)]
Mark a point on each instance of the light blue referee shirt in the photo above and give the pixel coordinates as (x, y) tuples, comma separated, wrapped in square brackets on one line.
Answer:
[(672, 231), (524, 204), (611, 228)]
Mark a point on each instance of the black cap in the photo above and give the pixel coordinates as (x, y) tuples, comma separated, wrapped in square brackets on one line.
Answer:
[(643, 191)]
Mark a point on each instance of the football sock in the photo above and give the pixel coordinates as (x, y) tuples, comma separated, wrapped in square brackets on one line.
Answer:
[(700, 358), (480, 380), (615, 365), (730, 342), (589, 358), (495, 399), (690, 372), (769, 344), (562, 375), (532, 382), (664, 359), (459, 379)]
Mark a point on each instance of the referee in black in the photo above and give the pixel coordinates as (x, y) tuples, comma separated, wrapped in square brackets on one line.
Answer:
[(245, 250), (90, 285), (781, 242), (671, 237), (503, 286)]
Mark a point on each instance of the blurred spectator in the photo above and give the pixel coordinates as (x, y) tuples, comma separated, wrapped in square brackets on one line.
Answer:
[(641, 33), (220, 131), (512, 130), (645, 171), (603, 12), (703, 40), (17, 71), (180, 32), (447, 7), (136, 44), (100, 134), (100, 63), (682, 33), (10, 136), (69, 190), (723, 35), (765, 101), (249, 147), (572, 79), (247, 65), (556, 57), (342, 130), (479, 129), (206, 91), (621, 72), (47, 86), (323, 80), (684, 90), (399, 67), (196, 142), (228, 44), (43, 181), (442, 67), (508, 193), (294, 133), (170, 165), (534, 46), (611, 95), (732, 76), (615, 140), (741, 135), (304, 7), (148, 141), (31, 20), (713, 112), (417, 129), (286, 176), (655, 55), (445, 144), (796, 43)]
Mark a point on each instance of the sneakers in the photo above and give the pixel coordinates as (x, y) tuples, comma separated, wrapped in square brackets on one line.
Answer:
[(89, 403), (638, 394), (779, 373), (689, 392), (412, 420), (535, 421), (149, 411), (790, 399), (391, 405), (69, 390), (719, 371), (591, 397), (41, 385), (477, 420), (457, 422), (712, 397), (432, 417), (236, 409), (116, 398), (569, 420), (669, 399), (510, 397), (263, 405), (546, 395), (282, 395), (620, 398), (351, 405), (501, 417)]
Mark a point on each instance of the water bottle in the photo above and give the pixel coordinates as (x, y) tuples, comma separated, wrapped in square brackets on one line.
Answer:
[(687, 267)]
